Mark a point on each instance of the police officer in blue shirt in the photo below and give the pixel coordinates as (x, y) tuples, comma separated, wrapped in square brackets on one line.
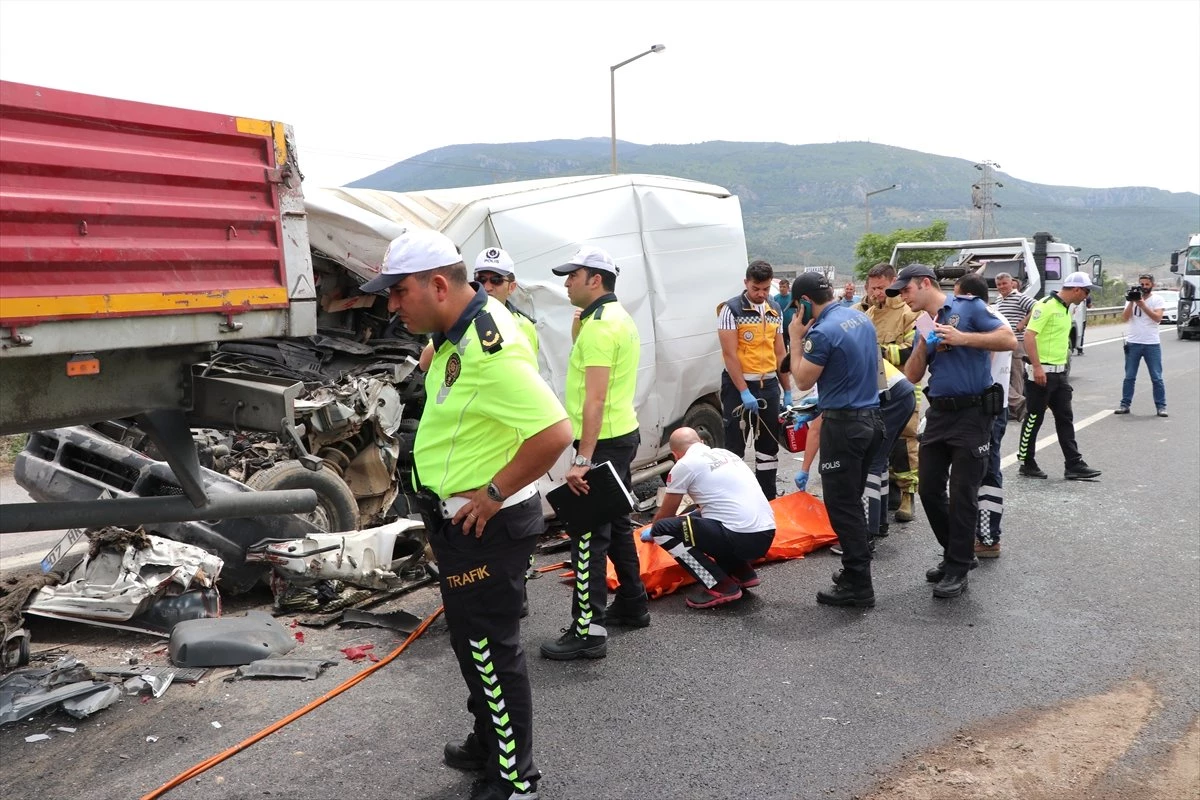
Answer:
[(963, 402), (841, 357)]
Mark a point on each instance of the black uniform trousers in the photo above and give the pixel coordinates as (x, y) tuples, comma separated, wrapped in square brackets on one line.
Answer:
[(482, 581), (707, 549), (591, 548), (850, 440), (954, 450), (1055, 396), (895, 409), (765, 424)]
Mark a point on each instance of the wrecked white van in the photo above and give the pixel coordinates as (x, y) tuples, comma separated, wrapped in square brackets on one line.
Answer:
[(680, 246)]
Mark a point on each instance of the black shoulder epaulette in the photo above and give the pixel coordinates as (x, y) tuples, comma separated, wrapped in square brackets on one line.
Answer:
[(489, 335)]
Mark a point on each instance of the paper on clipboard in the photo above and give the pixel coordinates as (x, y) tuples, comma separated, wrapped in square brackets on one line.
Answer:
[(924, 324)]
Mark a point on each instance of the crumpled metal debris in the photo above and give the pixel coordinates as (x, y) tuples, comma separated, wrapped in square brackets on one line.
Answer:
[(87, 704), (306, 668), (27, 691), (386, 557), (131, 579)]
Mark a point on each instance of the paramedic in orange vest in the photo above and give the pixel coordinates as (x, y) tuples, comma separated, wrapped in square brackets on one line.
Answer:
[(750, 328)]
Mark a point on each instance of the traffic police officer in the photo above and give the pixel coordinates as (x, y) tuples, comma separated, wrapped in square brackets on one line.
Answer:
[(963, 402), (601, 379), (750, 329), (494, 274), (1047, 342), (490, 427), (841, 358)]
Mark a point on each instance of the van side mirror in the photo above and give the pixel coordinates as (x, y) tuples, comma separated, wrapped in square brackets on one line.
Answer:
[(1175, 261)]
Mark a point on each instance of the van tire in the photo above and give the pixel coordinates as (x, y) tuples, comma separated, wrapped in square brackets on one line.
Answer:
[(708, 422), (336, 510)]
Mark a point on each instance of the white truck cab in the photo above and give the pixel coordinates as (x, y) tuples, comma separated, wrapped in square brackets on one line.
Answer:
[(1186, 263), (1038, 264)]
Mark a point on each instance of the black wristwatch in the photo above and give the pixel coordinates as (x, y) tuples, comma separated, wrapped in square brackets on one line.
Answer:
[(494, 493)]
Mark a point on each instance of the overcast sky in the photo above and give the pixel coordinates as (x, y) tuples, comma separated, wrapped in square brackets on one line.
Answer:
[(1082, 92)]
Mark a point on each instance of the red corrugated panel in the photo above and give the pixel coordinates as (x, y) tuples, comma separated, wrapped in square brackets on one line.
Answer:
[(109, 197)]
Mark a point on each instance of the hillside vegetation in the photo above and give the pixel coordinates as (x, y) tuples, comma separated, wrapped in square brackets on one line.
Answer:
[(804, 204)]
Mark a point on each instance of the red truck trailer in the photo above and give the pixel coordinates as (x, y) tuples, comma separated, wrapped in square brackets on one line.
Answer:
[(133, 239)]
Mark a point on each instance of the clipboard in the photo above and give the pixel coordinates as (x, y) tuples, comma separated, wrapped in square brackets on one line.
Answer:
[(607, 498)]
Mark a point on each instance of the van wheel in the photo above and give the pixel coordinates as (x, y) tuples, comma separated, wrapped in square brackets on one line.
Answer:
[(708, 422), (336, 510)]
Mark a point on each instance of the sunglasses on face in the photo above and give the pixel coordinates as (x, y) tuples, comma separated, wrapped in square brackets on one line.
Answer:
[(494, 280)]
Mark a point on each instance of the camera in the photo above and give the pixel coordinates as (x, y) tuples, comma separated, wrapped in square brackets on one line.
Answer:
[(1136, 293)]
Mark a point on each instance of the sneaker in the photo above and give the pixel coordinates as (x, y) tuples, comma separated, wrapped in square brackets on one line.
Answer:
[(836, 548), (1121, 410), (1162, 412), (569, 646), (1030, 469), (716, 596), (470, 755), (630, 612), (1080, 472), (987, 550), (746, 577)]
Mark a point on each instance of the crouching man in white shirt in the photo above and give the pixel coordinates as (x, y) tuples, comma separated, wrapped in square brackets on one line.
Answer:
[(733, 526)]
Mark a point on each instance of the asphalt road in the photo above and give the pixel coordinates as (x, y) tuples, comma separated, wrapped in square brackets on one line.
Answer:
[(774, 697)]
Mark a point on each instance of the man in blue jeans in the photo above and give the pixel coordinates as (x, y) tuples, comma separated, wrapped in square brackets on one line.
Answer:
[(1144, 312)]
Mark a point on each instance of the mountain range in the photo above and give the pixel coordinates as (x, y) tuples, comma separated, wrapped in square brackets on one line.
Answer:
[(805, 204)]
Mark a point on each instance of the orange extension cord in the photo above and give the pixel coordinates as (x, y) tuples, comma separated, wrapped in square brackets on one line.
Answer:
[(211, 762)]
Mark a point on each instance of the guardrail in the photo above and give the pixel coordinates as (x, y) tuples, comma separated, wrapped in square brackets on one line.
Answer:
[(1109, 314)]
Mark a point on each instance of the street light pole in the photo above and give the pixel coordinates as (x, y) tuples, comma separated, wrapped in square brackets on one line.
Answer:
[(868, 201), (612, 95)]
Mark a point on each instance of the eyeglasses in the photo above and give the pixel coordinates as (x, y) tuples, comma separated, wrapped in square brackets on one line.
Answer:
[(494, 280)]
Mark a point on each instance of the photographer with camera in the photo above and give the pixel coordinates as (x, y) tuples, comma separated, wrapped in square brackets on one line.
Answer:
[(1143, 311)]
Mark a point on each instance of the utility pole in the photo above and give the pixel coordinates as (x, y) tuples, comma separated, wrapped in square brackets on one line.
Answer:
[(983, 220)]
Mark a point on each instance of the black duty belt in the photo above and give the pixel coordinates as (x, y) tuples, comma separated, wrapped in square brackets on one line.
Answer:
[(849, 413), (955, 403)]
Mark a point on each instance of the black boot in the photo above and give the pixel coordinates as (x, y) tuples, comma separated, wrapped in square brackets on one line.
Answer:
[(632, 612), (570, 646), (935, 574), (951, 585), (844, 593), (470, 755)]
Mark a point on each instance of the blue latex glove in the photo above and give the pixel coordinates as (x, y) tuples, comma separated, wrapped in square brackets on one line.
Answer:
[(787, 398), (802, 420), (648, 535), (932, 340), (749, 401), (802, 480)]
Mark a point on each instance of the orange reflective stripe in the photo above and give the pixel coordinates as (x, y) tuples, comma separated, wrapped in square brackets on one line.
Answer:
[(108, 305)]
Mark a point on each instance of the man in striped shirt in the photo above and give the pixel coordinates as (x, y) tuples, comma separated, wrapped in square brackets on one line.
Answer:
[(1015, 308)]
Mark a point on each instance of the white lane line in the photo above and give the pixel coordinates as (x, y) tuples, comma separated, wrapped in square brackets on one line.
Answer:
[(1009, 460), (1104, 341)]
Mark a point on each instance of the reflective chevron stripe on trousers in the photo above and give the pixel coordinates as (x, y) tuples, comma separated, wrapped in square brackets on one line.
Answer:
[(591, 549), (482, 581), (991, 491), (707, 549)]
